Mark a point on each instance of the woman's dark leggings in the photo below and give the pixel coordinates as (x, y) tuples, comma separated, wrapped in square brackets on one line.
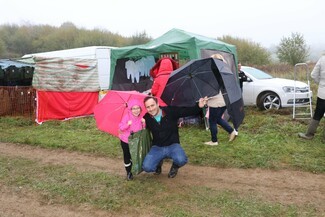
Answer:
[(126, 156), (320, 109)]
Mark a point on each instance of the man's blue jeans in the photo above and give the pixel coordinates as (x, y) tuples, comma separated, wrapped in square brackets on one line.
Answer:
[(157, 154)]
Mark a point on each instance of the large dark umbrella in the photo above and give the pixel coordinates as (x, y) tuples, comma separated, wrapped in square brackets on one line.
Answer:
[(205, 77), (189, 83), (231, 92)]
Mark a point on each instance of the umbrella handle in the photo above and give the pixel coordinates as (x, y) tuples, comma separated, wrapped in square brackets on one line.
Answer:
[(205, 105), (207, 98)]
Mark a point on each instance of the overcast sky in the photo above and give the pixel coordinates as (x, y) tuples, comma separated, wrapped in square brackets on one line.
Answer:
[(262, 21)]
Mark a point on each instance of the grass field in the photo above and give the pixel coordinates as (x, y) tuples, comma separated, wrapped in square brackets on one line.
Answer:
[(267, 139)]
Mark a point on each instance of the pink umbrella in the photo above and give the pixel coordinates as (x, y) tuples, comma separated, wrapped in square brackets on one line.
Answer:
[(110, 110)]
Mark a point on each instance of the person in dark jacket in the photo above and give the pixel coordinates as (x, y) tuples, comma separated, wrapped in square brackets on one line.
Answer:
[(163, 124), (241, 76)]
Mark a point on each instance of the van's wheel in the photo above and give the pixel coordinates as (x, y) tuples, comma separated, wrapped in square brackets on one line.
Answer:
[(268, 101)]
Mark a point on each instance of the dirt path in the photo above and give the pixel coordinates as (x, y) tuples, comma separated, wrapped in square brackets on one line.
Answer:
[(287, 187)]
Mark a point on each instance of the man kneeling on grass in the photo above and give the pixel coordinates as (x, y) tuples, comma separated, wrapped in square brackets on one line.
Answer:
[(163, 124)]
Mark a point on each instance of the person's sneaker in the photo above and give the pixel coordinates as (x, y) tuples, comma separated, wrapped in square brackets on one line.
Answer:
[(158, 170), (232, 136), (129, 176), (236, 132), (211, 143), (173, 171)]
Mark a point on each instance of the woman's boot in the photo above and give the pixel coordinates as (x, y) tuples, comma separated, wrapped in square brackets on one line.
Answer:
[(129, 175), (310, 131)]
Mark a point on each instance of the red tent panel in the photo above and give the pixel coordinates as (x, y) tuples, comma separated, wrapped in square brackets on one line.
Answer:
[(53, 105)]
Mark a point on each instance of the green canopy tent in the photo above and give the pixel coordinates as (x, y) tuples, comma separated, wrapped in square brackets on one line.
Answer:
[(177, 44)]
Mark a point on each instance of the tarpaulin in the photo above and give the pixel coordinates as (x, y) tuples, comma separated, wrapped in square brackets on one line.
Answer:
[(64, 105), (66, 75)]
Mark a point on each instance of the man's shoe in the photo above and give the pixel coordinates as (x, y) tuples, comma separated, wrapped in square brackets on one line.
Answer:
[(232, 136), (211, 143), (173, 171), (129, 176), (158, 170)]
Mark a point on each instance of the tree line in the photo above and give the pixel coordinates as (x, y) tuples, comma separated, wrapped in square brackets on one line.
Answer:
[(16, 41)]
